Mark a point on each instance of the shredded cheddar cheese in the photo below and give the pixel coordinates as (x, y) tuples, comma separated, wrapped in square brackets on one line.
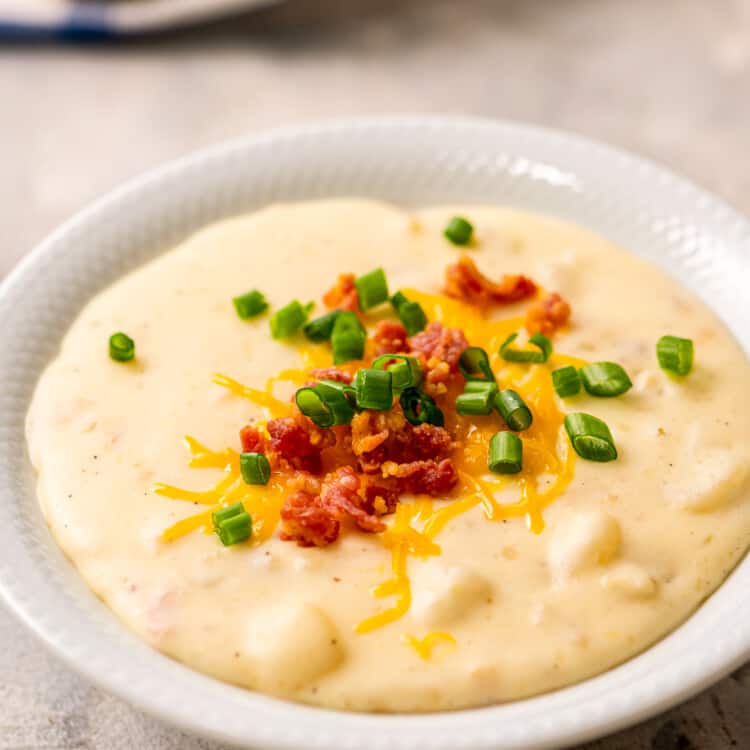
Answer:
[(425, 646), (547, 468)]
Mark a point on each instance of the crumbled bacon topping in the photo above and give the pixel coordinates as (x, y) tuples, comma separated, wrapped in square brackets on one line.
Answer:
[(464, 281), (429, 477), (342, 296), (331, 373), (299, 442), (390, 338), (380, 438), (340, 497), (438, 349), (305, 521), (380, 500), (547, 315), (252, 439)]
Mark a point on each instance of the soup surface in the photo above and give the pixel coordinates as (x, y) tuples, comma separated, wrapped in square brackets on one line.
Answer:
[(490, 588)]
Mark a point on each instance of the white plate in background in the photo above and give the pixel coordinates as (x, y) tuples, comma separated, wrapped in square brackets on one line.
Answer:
[(411, 161)]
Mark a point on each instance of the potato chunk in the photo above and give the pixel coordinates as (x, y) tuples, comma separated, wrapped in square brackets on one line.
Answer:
[(582, 542), (290, 646)]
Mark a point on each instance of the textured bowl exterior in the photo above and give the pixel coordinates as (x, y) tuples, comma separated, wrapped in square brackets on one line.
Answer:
[(411, 161)]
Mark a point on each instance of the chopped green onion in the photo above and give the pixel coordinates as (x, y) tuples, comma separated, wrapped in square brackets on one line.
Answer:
[(538, 340), (372, 289), (410, 313), (459, 231), (290, 318), (250, 305), (675, 355), (347, 338), (419, 408), (406, 371), (374, 389), (567, 381), (320, 329), (480, 386), (121, 347), (476, 403), (475, 365), (513, 410), (255, 468), (590, 437), (605, 379), (326, 403), (230, 511), (398, 299), (413, 317), (232, 524), (505, 455)]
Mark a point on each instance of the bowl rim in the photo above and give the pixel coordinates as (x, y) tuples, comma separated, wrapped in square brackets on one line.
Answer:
[(401, 730)]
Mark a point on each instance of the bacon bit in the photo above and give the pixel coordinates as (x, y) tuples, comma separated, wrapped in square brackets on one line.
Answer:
[(340, 497), (380, 437), (342, 296), (547, 314), (252, 439), (438, 349), (306, 522), (439, 343), (331, 373), (464, 281), (390, 338), (430, 441), (300, 442), (380, 500), (370, 429), (304, 482), (423, 477)]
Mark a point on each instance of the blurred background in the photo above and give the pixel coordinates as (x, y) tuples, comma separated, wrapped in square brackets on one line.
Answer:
[(93, 94)]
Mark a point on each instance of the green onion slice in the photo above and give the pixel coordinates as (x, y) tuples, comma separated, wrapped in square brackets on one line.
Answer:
[(590, 437), (605, 379), (567, 381), (538, 340), (347, 338), (289, 319), (675, 355), (459, 231), (411, 314), (250, 305), (406, 371), (505, 455), (374, 389), (475, 365), (255, 468), (231, 510), (320, 329), (372, 289), (513, 410), (477, 403), (121, 347), (413, 317), (480, 386), (398, 299), (326, 403), (232, 524), (419, 408)]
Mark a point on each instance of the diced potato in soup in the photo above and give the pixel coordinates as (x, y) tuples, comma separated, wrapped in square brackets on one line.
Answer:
[(430, 582)]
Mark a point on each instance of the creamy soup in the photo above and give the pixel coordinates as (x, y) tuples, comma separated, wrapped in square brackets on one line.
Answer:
[(503, 587)]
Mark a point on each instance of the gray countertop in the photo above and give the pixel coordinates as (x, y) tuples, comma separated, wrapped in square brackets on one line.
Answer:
[(669, 79)]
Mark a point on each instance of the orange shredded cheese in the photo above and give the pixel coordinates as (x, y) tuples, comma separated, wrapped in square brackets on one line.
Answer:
[(547, 469), (425, 646)]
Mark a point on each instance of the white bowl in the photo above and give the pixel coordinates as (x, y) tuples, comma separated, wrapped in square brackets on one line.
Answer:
[(412, 161)]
